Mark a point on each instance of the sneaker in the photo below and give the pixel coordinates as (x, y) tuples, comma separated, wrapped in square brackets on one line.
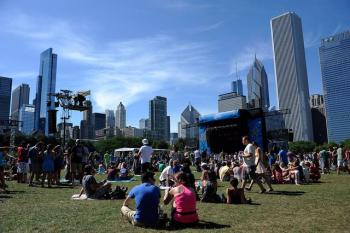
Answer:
[(248, 189)]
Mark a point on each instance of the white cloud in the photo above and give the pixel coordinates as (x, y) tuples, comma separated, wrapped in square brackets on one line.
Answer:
[(206, 28), (120, 70)]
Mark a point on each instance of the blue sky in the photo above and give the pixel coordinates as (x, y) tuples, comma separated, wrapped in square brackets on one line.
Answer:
[(131, 51)]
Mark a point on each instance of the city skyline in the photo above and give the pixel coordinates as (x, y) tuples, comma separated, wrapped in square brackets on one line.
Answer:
[(191, 57)]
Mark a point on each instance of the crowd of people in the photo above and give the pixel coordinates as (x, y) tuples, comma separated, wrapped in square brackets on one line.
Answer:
[(42, 164)]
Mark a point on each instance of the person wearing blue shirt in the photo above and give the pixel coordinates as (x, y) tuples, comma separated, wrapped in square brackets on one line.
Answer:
[(146, 197), (283, 156)]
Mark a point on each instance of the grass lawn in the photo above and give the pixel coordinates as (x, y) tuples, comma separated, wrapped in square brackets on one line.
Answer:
[(320, 207)]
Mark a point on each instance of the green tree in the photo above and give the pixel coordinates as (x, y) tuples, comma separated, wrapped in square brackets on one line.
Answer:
[(300, 147)]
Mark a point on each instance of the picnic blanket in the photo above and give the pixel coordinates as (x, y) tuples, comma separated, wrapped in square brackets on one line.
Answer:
[(122, 181), (83, 197)]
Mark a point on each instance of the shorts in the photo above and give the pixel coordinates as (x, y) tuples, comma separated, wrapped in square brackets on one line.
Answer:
[(76, 167), (22, 167), (340, 163)]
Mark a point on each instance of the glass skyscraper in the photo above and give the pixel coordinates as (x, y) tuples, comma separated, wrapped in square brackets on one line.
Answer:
[(46, 84), (237, 87), (257, 84), (5, 97), (291, 74), (110, 118), (158, 118), (335, 69), (20, 96), (26, 116)]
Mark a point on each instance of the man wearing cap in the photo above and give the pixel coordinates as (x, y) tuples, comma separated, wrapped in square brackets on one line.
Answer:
[(145, 154)]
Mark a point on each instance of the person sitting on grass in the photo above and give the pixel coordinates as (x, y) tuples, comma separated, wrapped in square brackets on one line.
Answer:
[(236, 195), (146, 197), (209, 194), (112, 172), (91, 188), (124, 172), (166, 178), (225, 171), (183, 199)]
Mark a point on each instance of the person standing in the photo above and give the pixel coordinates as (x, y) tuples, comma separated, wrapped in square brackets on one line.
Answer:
[(340, 159), (261, 170), (3, 157), (36, 157), (76, 161), (145, 154), (249, 164), (22, 164), (48, 166), (197, 160)]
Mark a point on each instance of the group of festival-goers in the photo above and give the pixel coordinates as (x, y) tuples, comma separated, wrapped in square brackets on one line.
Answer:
[(42, 164)]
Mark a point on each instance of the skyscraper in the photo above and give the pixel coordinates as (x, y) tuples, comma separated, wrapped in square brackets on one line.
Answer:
[(237, 86), (319, 123), (110, 119), (231, 101), (291, 74), (26, 116), (335, 69), (158, 117), (257, 85), (99, 120), (144, 124), (189, 117), (86, 125), (20, 96), (120, 116), (5, 97), (46, 84)]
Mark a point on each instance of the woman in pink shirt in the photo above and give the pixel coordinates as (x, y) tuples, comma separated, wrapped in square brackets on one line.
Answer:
[(184, 211)]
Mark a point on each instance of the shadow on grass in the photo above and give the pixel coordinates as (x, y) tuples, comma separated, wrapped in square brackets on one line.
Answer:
[(286, 193), (15, 191), (5, 196), (200, 225)]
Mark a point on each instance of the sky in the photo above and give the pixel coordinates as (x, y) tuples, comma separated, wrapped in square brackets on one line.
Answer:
[(132, 51)]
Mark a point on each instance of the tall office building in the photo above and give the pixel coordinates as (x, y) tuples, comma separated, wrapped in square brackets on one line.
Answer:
[(168, 128), (318, 116), (231, 101), (189, 117), (120, 116), (99, 120), (110, 119), (46, 84), (20, 96), (335, 69), (257, 85), (86, 125), (5, 97), (237, 86), (26, 116), (158, 117), (291, 74), (142, 123)]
